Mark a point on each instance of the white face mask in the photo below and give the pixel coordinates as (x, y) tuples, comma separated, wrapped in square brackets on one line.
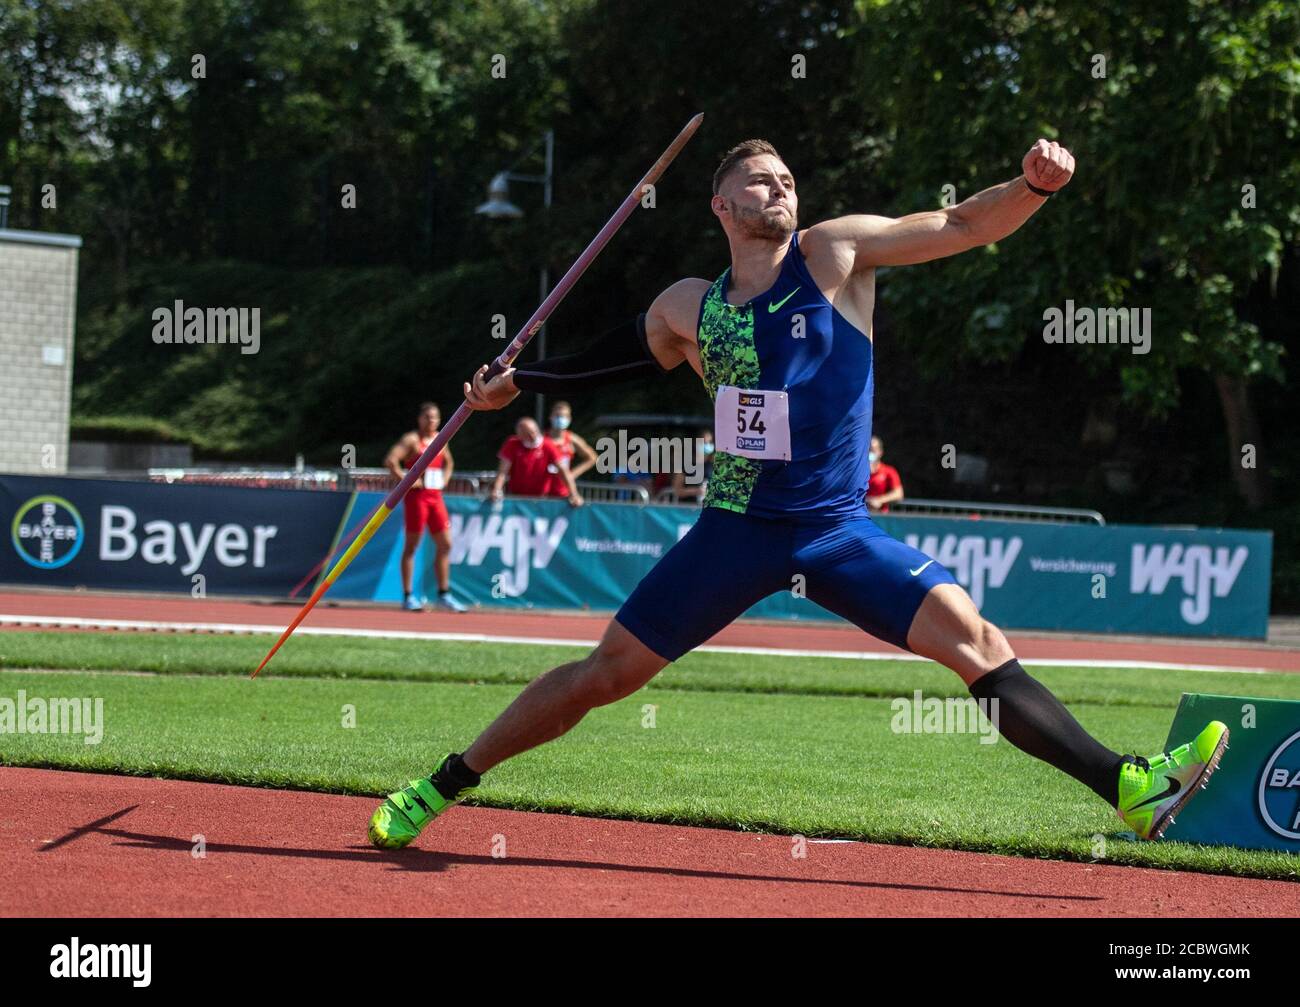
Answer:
[(873, 457), (560, 422)]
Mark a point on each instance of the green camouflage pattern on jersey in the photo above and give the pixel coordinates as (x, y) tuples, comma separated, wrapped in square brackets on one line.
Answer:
[(728, 357)]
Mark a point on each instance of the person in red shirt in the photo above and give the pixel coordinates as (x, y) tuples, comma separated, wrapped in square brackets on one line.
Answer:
[(530, 461), (885, 485), (423, 506), (570, 445)]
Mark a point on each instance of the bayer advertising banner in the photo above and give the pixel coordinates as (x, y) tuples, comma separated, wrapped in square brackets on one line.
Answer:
[(1130, 579), (143, 536), (544, 554)]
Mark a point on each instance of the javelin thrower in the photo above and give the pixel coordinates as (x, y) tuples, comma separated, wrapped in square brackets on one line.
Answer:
[(782, 341)]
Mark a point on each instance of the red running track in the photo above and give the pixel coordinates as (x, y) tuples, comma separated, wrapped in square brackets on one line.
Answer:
[(91, 845), (557, 625)]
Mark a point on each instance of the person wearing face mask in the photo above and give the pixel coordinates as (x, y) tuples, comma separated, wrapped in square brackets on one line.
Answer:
[(570, 445), (529, 461), (884, 486)]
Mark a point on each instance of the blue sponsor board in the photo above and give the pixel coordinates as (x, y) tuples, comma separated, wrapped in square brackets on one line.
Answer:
[(154, 537), (1132, 579), (542, 553), (1253, 798)]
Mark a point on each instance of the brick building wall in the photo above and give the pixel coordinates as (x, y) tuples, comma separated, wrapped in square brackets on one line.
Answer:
[(38, 306)]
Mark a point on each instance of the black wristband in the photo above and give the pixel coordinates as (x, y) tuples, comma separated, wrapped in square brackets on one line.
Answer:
[(621, 354), (1036, 190)]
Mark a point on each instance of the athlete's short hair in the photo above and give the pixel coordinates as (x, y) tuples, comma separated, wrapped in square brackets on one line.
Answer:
[(738, 153), (425, 407)]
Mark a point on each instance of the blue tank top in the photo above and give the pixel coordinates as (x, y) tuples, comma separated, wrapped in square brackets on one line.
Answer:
[(792, 339)]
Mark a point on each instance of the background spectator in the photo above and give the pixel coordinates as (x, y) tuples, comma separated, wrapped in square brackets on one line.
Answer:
[(528, 459), (570, 445), (423, 507), (685, 492), (885, 486)]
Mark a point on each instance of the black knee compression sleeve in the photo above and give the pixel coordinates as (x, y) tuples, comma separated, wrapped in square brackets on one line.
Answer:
[(1036, 722), (621, 354)]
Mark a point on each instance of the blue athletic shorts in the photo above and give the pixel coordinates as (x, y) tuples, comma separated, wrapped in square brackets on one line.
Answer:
[(728, 562)]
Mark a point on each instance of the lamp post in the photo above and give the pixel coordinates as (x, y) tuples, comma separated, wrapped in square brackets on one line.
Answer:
[(498, 206)]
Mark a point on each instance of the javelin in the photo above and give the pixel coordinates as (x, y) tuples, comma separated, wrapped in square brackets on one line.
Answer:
[(500, 364), (330, 555)]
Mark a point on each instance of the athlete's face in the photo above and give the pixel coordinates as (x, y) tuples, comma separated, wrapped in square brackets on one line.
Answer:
[(758, 198), (429, 420)]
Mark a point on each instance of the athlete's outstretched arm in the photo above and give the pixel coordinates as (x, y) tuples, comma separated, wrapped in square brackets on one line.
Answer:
[(986, 217), (647, 346)]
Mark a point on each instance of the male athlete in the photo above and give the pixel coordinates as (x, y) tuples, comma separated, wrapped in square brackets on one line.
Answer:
[(782, 341), (423, 507)]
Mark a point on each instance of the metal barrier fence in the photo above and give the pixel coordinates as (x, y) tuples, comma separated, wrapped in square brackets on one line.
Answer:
[(346, 480), (478, 483), (1001, 512)]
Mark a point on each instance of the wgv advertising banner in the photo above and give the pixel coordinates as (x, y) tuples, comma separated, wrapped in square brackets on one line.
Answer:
[(1113, 578), (144, 536), (522, 552), (1119, 578)]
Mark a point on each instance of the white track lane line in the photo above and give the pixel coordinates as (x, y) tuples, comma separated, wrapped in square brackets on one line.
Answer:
[(69, 622)]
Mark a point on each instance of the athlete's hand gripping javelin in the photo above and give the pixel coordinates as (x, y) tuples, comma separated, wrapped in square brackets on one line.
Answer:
[(498, 393)]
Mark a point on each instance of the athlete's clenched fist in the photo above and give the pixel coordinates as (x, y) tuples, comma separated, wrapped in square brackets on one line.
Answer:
[(1048, 165)]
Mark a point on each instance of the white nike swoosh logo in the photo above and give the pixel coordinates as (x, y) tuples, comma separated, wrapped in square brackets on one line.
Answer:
[(918, 570)]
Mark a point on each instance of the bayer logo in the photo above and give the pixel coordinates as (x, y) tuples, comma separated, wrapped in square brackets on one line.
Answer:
[(1279, 789), (47, 532)]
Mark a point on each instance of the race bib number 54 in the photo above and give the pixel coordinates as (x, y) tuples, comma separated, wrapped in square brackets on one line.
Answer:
[(752, 424)]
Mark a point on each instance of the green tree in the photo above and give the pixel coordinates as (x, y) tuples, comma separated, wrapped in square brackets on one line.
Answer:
[(1179, 114)]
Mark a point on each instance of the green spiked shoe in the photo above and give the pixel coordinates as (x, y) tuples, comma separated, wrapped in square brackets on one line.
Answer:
[(404, 814), (1152, 791)]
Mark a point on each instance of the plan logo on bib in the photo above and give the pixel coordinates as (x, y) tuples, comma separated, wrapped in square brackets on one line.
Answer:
[(47, 532)]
